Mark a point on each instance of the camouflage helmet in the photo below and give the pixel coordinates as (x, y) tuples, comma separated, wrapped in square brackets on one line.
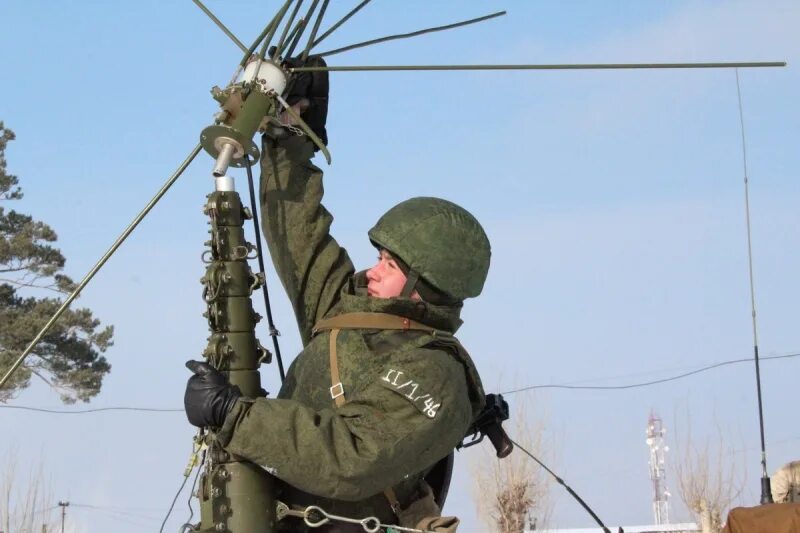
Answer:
[(437, 241)]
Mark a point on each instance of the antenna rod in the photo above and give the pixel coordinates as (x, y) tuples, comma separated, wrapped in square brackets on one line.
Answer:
[(302, 24), (221, 26), (275, 23), (766, 490), (285, 35), (566, 66), (88, 277), (314, 30), (412, 34), (340, 22), (249, 51)]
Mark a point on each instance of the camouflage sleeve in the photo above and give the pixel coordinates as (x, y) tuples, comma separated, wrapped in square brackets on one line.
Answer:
[(412, 415), (311, 265)]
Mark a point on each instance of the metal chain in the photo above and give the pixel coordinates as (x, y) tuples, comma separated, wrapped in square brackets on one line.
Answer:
[(315, 516)]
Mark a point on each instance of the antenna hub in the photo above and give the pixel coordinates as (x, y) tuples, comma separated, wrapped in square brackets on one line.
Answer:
[(270, 77)]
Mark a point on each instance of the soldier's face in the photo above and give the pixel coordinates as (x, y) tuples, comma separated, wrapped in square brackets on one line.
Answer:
[(386, 280)]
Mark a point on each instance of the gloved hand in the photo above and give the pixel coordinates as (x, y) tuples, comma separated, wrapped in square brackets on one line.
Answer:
[(209, 397), (308, 95)]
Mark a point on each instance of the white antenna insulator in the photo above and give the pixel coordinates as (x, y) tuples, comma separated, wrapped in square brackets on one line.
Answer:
[(224, 184), (270, 76)]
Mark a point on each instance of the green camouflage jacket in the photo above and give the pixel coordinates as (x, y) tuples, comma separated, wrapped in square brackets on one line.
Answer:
[(409, 399)]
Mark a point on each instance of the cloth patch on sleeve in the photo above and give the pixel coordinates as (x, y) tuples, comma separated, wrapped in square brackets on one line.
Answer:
[(410, 389)]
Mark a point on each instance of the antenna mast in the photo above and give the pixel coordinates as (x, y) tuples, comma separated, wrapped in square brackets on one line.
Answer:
[(658, 471)]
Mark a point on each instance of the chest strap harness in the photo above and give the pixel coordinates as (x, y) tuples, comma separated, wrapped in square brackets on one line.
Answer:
[(365, 320)]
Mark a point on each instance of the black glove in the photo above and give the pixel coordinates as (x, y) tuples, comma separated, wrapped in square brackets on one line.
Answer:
[(209, 397), (308, 93)]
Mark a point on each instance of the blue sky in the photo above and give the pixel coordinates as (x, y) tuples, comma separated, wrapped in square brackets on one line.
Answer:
[(614, 202)]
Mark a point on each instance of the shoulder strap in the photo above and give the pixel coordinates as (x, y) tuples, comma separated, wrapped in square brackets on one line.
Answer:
[(337, 389), (364, 320)]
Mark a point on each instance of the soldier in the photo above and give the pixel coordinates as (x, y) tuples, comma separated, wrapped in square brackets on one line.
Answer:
[(382, 391)]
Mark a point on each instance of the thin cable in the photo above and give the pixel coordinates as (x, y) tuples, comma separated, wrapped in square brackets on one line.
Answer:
[(532, 387), (191, 494), (47, 510), (552, 66), (113, 511), (648, 383), (340, 22), (563, 484), (84, 411), (412, 34), (183, 484), (273, 332), (106, 256), (766, 496)]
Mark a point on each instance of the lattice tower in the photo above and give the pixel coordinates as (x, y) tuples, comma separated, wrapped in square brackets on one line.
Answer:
[(658, 474)]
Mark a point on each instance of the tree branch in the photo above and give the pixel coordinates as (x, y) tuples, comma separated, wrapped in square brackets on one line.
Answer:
[(19, 283)]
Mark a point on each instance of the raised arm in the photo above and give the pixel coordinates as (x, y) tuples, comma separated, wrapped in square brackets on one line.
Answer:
[(310, 263)]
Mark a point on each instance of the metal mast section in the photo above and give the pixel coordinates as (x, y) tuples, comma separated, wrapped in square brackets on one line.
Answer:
[(236, 496), (658, 475)]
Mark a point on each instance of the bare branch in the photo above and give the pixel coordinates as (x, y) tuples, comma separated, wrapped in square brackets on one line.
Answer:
[(512, 494), (25, 504), (31, 284), (709, 479)]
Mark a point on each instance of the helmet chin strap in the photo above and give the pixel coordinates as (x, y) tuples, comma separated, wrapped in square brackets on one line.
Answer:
[(411, 283)]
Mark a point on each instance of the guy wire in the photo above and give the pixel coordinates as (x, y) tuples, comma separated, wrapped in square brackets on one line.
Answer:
[(766, 496), (272, 331), (563, 484)]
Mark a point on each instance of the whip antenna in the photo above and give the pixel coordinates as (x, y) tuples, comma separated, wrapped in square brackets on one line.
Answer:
[(766, 490)]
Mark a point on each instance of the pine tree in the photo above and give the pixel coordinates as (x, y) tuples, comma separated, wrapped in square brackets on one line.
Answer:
[(32, 284)]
